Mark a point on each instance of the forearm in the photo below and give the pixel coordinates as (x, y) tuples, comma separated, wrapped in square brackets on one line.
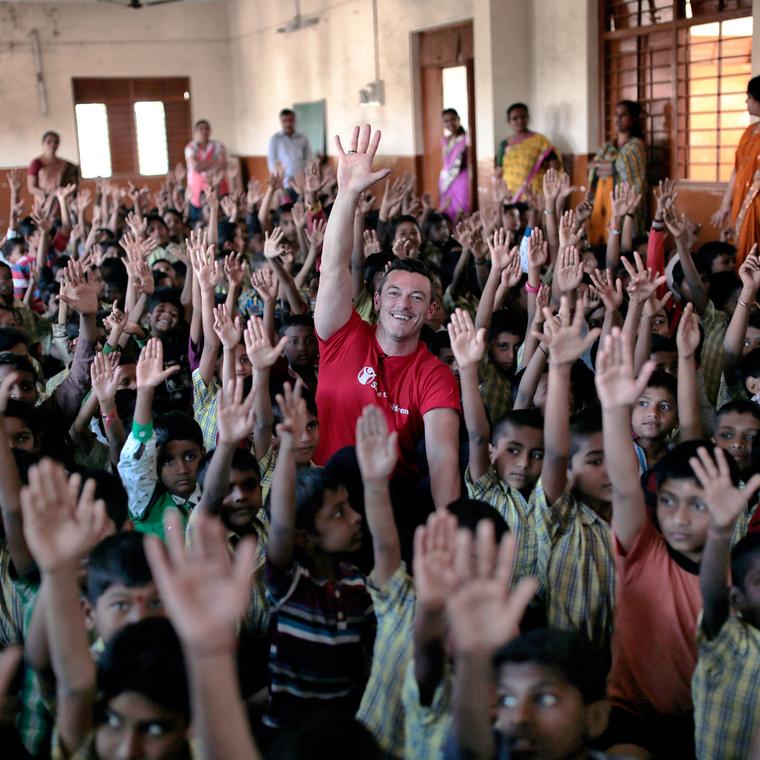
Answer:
[(266, 203), (459, 270), (444, 475), (556, 431), (691, 275), (86, 412), (487, 297), (733, 341), (689, 413), (269, 321), (288, 284), (626, 237), (217, 480), (144, 405), (429, 655), (302, 278), (476, 421), (612, 256), (552, 235), (262, 411), (228, 367), (385, 541), (472, 706), (643, 349), (713, 579), (42, 247), (531, 378), (632, 319), (283, 509), (357, 255)]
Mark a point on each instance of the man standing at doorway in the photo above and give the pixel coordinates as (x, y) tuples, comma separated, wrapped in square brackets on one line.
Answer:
[(289, 148)]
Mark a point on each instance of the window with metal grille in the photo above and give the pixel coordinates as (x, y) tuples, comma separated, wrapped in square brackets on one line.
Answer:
[(129, 127), (687, 62)]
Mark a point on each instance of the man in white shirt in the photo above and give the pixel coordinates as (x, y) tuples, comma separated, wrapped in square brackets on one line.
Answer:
[(288, 147)]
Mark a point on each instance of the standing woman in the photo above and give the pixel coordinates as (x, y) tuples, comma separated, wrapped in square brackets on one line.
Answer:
[(741, 201), (204, 157), (524, 157), (48, 172), (623, 159), (454, 180)]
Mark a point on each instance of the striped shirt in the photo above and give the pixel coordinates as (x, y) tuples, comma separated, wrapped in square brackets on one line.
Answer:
[(576, 569), (319, 633), (726, 690), (516, 511), (204, 408), (381, 710), (426, 727)]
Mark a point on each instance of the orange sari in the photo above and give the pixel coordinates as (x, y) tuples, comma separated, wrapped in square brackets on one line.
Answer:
[(745, 206)]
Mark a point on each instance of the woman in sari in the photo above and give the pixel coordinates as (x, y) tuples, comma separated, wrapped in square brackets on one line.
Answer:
[(454, 180), (741, 201), (47, 172), (623, 159), (524, 157)]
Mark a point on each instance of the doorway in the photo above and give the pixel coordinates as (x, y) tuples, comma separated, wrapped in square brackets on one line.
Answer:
[(446, 70)]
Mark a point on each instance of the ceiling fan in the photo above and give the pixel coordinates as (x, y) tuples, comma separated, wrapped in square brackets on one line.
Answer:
[(298, 21), (137, 4)]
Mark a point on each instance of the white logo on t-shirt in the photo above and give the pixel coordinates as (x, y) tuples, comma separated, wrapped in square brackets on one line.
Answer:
[(366, 375)]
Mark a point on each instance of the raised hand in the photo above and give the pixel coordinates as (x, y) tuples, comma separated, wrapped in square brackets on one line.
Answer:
[(616, 384), (77, 291), (298, 212), (749, 271), (105, 374), (724, 500), (228, 330), (583, 211), (366, 201), (355, 173), (230, 207), (294, 415), (611, 292), (317, 234), (467, 343), (258, 347), (13, 177), (569, 270), (483, 613), (435, 576), (643, 280), (464, 235), (264, 282), (551, 187), (205, 268), (60, 525), (234, 415), (498, 245), (619, 199), (665, 196), (567, 234), (563, 338), (688, 334), (371, 243), (150, 365), (235, 269), (376, 449), (538, 250), (253, 195), (512, 274), (205, 592), (273, 243), (654, 305)]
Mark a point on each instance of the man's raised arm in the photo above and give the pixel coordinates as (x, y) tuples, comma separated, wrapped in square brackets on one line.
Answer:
[(355, 175)]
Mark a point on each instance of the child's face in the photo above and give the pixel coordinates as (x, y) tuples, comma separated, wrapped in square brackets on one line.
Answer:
[(588, 470), (6, 282), (725, 262), (301, 348), (128, 377), (337, 526), (166, 269), (308, 441), (667, 361), (446, 355), (24, 389), (409, 231), (180, 467), (734, 433), (16, 252), (159, 231), (746, 600), (439, 232), (164, 318), (510, 219), (242, 362), (751, 339), (135, 727), (20, 435), (174, 225), (519, 456), (683, 516), (119, 606), (288, 227), (544, 716), (503, 350), (654, 414), (243, 500), (660, 326)]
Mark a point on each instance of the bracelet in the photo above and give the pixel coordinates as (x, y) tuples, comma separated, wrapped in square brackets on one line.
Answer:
[(109, 417), (614, 230), (747, 306), (532, 288), (549, 212)]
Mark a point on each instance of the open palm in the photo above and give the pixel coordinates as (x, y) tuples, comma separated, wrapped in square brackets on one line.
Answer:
[(616, 384), (355, 173)]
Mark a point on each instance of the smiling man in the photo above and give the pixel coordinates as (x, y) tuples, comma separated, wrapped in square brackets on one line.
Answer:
[(383, 364)]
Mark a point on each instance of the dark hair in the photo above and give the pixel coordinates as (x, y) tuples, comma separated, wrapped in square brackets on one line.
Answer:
[(723, 285), (675, 464), (437, 342), (18, 362), (26, 412), (634, 111), (242, 461), (738, 406), (568, 654), (145, 658), (202, 121), (408, 265), (753, 88), (311, 484), (470, 512), (110, 488), (375, 263), (662, 344), (10, 337), (582, 426), (514, 107), (118, 559), (296, 320), (661, 379), (516, 418), (165, 295), (176, 426), (10, 244), (404, 219), (748, 367), (714, 248), (51, 133), (742, 556), (453, 112), (287, 112), (506, 321)]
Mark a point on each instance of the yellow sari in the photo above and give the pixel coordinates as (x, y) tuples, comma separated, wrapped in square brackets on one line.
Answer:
[(521, 162)]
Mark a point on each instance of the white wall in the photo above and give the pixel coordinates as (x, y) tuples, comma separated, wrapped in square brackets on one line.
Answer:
[(101, 39)]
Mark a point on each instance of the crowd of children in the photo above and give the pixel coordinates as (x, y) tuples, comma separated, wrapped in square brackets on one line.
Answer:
[(309, 472)]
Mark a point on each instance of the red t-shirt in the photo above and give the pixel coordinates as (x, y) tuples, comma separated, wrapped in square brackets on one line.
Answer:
[(354, 372)]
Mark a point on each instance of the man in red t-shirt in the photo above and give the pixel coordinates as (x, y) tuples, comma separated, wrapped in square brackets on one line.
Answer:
[(383, 364)]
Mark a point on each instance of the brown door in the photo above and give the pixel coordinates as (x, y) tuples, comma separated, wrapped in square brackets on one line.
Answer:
[(446, 71)]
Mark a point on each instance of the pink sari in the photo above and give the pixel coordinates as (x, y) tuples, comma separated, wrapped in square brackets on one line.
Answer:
[(454, 180)]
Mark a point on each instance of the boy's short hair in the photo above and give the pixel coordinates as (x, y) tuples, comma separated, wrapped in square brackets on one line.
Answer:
[(109, 488), (296, 320), (742, 556), (408, 265), (118, 559), (582, 386), (145, 658), (375, 263), (150, 218), (10, 244), (582, 426), (242, 460), (675, 465), (516, 418), (165, 295), (401, 218), (738, 406), (712, 249), (176, 426), (469, 512), (507, 321), (26, 412), (661, 379), (285, 112), (568, 654), (722, 286), (438, 341), (311, 484), (17, 362), (660, 343), (748, 367)]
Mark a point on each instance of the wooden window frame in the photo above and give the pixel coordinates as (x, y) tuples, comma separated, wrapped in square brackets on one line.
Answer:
[(678, 24)]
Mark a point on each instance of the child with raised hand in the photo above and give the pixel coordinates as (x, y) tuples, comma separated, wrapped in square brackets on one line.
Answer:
[(206, 593), (321, 613), (657, 567), (158, 465), (725, 686), (572, 499), (505, 463)]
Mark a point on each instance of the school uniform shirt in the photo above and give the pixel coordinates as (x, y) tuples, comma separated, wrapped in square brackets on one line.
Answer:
[(205, 402), (516, 511), (319, 630), (354, 371), (495, 390), (426, 727), (576, 571), (654, 648), (726, 690)]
